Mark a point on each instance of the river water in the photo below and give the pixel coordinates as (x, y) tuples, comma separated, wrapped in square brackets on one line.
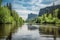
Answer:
[(24, 33)]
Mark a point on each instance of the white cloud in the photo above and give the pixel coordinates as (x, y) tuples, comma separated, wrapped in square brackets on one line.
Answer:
[(24, 13), (57, 2)]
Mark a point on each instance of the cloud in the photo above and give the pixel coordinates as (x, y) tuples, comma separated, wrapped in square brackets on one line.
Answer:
[(46, 1), (57, 2), (24, 13)]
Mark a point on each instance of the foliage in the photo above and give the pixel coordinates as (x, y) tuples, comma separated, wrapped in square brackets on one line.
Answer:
[(21, 20), (9, 16), (0, 2), (16, 17), (49, 18), (5, 15), (58, 14)]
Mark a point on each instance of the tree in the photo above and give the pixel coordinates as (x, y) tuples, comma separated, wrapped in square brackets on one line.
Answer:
[(9, 5), (58, 14), (0, 2), (5, 15), (53, 8)]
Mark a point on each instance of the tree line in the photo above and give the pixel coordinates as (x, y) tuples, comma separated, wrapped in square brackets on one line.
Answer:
[(48, 18), (8, 15)]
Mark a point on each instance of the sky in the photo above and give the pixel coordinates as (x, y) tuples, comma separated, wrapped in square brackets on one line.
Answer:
[(25, 7)]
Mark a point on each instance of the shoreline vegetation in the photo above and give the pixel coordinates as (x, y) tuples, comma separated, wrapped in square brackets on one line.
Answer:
[(8, 15), (47, 18)]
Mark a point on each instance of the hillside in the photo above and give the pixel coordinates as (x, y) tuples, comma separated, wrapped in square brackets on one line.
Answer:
[(48, 9)]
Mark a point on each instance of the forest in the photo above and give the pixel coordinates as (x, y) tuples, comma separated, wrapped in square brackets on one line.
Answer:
[(50, 18), (8, 15)]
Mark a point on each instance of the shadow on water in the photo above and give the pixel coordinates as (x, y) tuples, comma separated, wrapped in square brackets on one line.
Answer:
[(50, 31), (6, 31)]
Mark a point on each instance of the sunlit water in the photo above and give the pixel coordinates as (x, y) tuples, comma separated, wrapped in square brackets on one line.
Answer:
[(23, 33)]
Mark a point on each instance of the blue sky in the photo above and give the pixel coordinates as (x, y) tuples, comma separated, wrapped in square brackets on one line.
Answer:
[(25, 7)]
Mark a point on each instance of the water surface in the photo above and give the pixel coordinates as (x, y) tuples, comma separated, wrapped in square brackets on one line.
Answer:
[(24, 33)]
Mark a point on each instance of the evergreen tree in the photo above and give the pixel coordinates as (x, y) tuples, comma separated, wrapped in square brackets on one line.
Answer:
[(9, 5), (59, 14), (0, 2), (53, 8)]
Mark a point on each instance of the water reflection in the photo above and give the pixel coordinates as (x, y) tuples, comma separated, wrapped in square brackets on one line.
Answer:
[(15, 32), (24, 33), (50, 31), (9, 37), (6, 31), (43, 33)]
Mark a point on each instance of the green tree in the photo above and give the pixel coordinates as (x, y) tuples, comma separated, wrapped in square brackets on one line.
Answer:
[(9, 5), (58, 14), (0, 2), (5, 15), (21, 20), (15, 16)]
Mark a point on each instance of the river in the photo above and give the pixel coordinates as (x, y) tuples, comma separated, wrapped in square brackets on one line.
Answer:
[(23, 33)]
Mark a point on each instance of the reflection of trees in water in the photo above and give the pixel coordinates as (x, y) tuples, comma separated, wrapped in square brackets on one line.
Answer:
[(13, 30), (9, 36), (50, 31), (4, 30), (7, 30)]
